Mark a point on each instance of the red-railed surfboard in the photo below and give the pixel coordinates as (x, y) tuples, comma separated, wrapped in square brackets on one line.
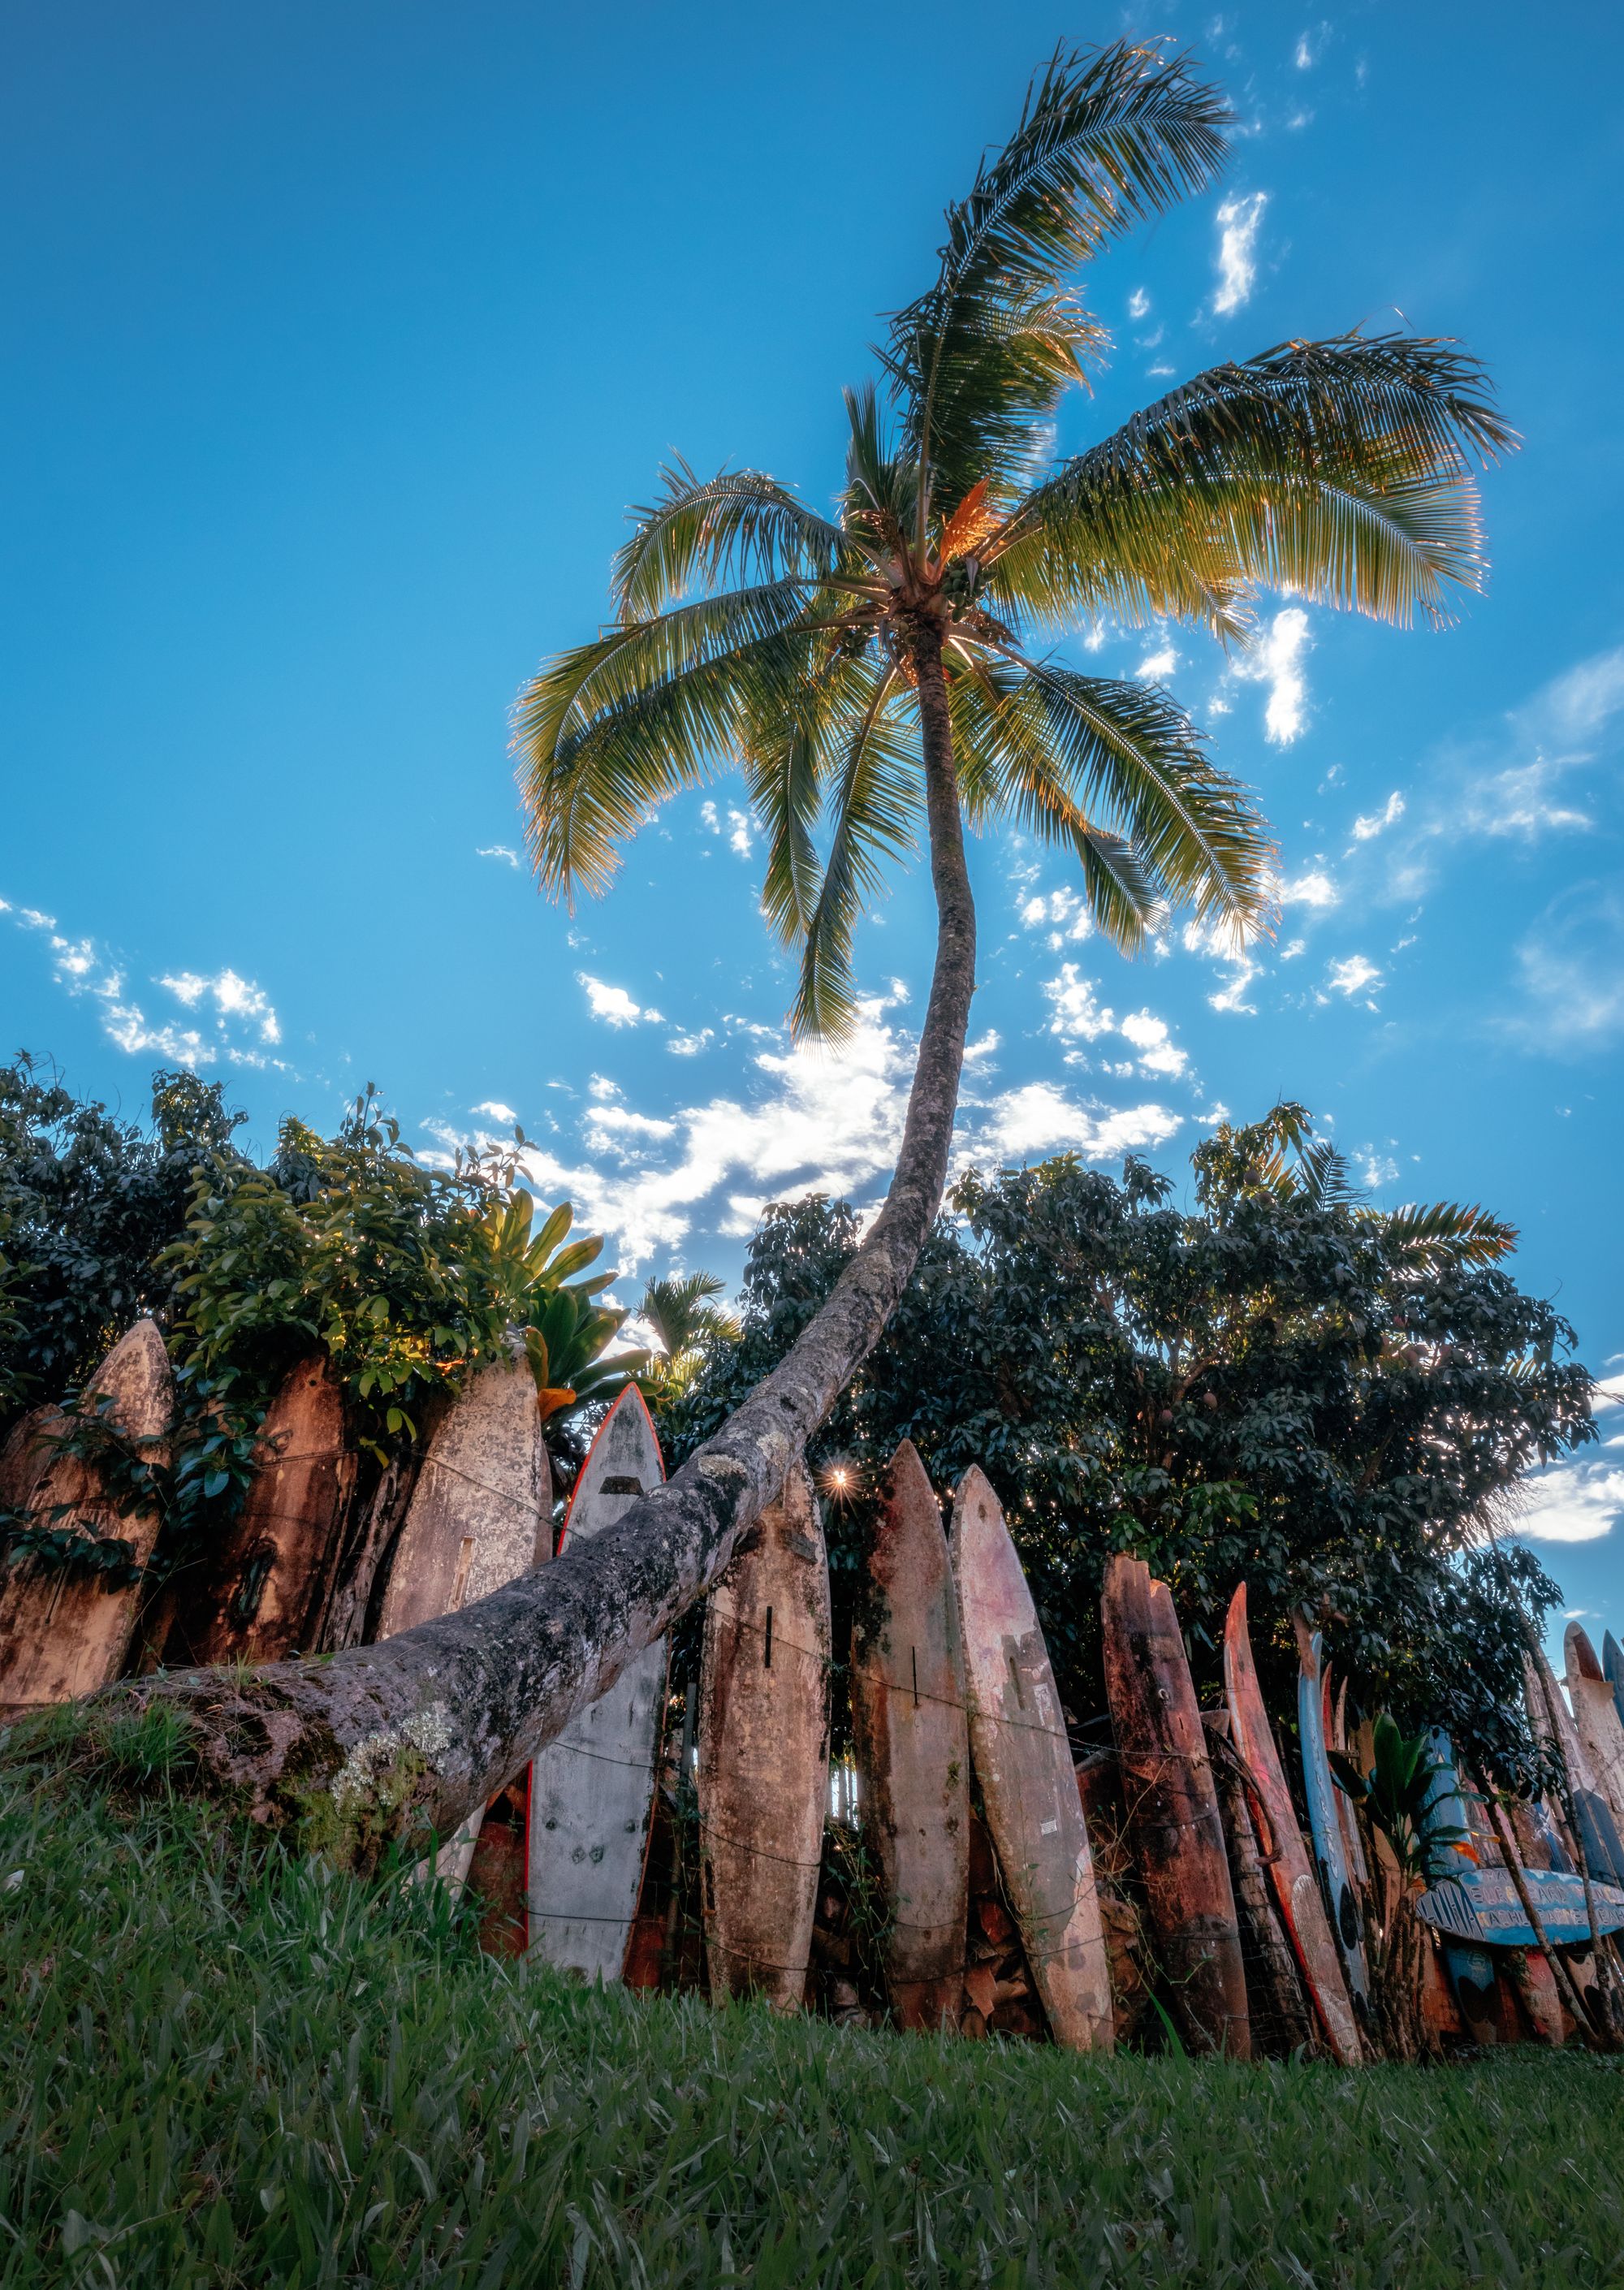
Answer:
[(1281, 1845)]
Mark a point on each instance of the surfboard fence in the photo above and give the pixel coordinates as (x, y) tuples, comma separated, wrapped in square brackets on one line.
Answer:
[(975, 1860)]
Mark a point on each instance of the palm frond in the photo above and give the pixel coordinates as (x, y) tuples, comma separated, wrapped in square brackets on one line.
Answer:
[(882, 491), (1007, 766), (875, 806), (600, 742), (1341, 470), (741, 525), (1105, 137), (1135, 761), (1441, 1229)]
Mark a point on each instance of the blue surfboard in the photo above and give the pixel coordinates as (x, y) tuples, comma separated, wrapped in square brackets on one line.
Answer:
[(1329, 1848)]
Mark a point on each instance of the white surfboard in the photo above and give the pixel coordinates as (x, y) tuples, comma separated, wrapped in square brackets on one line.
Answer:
[(592, 1790)]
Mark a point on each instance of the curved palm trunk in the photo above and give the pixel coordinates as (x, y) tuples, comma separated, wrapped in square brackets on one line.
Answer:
[(376, 1744)]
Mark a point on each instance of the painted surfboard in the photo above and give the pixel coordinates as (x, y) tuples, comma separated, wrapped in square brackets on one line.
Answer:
[(480, 1514), (1600, 1846), (591, 1790), (1479, 1905), (1596, 1718), (911, 1734), (63, 1634), (1023, 1762), (763, 1753), (1280, 1843), (1613, 1668), (1171, 1802), (1325, 1824), (253, 1599), (1452, 1859)]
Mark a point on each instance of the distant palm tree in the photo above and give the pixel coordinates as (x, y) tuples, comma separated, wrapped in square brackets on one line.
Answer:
[(879, 665), (684, 1320), (886, 663)]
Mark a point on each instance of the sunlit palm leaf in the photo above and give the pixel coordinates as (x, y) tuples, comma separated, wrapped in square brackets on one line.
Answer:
[(738, 525), (1104, 139), (1339, 469), (875, 806)]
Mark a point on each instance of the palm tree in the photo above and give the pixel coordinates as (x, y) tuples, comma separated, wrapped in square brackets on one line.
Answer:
[(685, 1320), (887, 666)]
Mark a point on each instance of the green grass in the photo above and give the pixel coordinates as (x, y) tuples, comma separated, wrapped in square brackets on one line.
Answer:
[(220, 2068)]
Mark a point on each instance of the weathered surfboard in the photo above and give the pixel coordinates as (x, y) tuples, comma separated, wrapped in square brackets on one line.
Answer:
[(1596, 1718), (481, 1513), (28, 1454), (1330, 1845), (1023, 1762), (1613, 1668), (591, 1790), (255, 1596), (1171, 1803), (911, 1733), (1284, 1856), (1601, 1847), (1470, 1966), (62, 1633), (763, 1753)]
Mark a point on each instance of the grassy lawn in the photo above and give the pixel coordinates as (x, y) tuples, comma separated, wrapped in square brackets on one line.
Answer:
[(219, 2069)]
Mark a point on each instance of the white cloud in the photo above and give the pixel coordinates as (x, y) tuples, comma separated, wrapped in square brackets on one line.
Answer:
[(1063, 909), (740, 838), (232, 997), (1314, 889), (1572, 967), (1138, 303), (1040, 1118), (1570, 1503), (1157, 1053), (1156, 665), (245, 1024), (614, 1006), (1239, 220), (498, 1111), (1275, 658), (1077, 1015), (1352, 975), (977, 1052), (684, 1045), (1218, 941), (707, 816), (497, 850), (820, 1120), (1372, 825)]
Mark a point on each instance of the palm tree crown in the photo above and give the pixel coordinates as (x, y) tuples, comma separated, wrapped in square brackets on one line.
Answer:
[(752, 630)]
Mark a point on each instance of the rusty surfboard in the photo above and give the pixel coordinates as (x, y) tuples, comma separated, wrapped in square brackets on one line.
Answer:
[(62, 1632), (480, 1514), (1022, 1760), (1171, 1802), (911, 1734), (1281, 1846), (256, 1596), (763, 1753), (592, 1790)]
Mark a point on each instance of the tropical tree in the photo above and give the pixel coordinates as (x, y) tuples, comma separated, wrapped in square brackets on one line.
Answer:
[(885, 667)]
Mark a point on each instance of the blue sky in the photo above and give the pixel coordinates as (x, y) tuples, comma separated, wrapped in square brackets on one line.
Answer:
[(337, 342)]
